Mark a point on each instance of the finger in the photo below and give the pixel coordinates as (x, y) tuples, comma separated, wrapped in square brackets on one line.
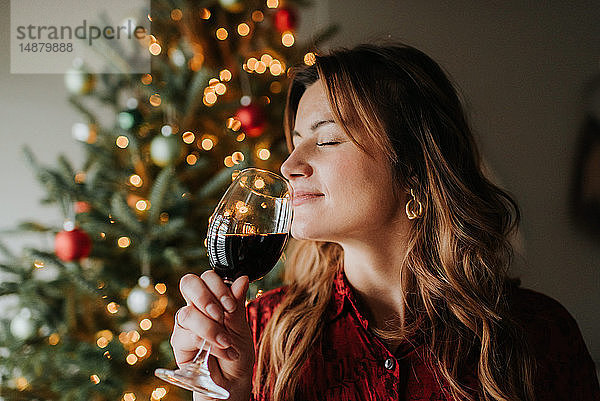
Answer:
[(195, 292), (220, 290), (239, 290), (186, 346), (192, 319)]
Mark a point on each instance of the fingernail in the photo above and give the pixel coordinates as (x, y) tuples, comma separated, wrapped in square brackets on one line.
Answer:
[(214, 311), (228, 303), (232, 354), (223, 340)]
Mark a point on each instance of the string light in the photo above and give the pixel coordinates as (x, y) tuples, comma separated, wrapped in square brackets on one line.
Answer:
[(112, 307), (196, 62), (258, 16), (237, 157), (160, 288), (228, 162), (53, 339), (222, 33), (159, 307), (176, 14), (210, 98), (146, 79), (207, 144), (164, 217), (260, 67), (191, 159), (141, 351), (155, 100), (21, 383), (233, 124), (220, 89), (225, 75), (102, 342), (240, 137), (159, 393), (287, 39), (131, 359), (205, 13), (155, 49), (259, 183), (263, 154), (129, 397), (38, 264), (276, 68), (142, 205), (275, 86), (188, 137), (122, 141), (243, 29), (251, 63), (266, 58), (135, 180), (145, 324), (79, 177), (95, 379), (124, 242), (272, 3), (309, 58)]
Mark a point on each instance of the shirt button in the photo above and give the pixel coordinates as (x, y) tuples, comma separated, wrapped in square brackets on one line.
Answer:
[(389, 363)]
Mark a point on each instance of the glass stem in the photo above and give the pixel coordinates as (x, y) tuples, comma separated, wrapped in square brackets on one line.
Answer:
[(200, 361)]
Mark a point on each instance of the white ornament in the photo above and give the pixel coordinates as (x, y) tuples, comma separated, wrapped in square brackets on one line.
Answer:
[(140, 301), (46, 273), (78, 81), (164, 150), (81, 132), (22, 326)]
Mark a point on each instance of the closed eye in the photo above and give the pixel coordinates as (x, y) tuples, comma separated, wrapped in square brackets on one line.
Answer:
[(328, 143)]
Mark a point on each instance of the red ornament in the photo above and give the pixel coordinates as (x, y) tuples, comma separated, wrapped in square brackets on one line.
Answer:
[(252, 119), (285, 19), (82, 207), (72, 245)]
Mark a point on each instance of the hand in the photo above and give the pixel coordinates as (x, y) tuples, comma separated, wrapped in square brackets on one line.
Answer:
[(217, 313)]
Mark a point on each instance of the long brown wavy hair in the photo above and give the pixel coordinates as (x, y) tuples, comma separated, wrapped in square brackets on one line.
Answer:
[(395, 101)]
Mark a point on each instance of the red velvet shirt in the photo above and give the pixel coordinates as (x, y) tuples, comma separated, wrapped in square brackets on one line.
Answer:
[(352, 364)]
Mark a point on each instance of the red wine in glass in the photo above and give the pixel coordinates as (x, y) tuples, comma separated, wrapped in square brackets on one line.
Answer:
[(246, 236)]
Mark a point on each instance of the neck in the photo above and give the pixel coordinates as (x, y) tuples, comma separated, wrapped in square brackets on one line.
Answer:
[(372, 268)]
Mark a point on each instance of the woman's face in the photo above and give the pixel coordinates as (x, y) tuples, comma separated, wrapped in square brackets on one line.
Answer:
[(340, 192)]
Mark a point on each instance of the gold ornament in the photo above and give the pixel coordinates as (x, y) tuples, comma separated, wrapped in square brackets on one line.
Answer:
[(409, 207)]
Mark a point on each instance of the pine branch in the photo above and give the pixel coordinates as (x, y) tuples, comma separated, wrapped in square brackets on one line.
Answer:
[(168, 231), (123, 214), (74, 100), (4, 250), (218, 181), (159, 191)]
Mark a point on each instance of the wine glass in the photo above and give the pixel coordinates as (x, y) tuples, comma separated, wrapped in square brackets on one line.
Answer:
[(246, 235)]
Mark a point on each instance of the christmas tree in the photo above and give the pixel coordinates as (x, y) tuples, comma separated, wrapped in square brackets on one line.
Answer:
[(91, 318)]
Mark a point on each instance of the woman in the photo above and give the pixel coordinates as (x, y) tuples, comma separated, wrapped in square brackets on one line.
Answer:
[(399, 287)]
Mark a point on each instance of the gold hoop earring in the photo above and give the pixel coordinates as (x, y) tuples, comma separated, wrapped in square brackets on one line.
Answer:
[(409, 207)]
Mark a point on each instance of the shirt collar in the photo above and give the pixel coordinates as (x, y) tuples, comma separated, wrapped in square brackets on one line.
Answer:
[(343, 297), (344, 300)]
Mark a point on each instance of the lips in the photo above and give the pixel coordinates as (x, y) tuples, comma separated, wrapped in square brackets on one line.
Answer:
[(301, 197)]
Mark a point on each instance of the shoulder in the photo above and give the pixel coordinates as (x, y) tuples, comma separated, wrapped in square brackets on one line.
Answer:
[(565, 369), (260, 310), (547, 323)]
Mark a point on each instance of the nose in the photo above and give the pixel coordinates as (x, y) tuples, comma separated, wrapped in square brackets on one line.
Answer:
[(296, 166)]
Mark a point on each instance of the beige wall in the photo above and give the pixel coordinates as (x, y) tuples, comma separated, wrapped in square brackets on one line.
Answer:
[(521, 69)]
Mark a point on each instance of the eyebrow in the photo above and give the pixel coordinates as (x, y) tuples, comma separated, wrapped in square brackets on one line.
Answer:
[(314, 126)]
